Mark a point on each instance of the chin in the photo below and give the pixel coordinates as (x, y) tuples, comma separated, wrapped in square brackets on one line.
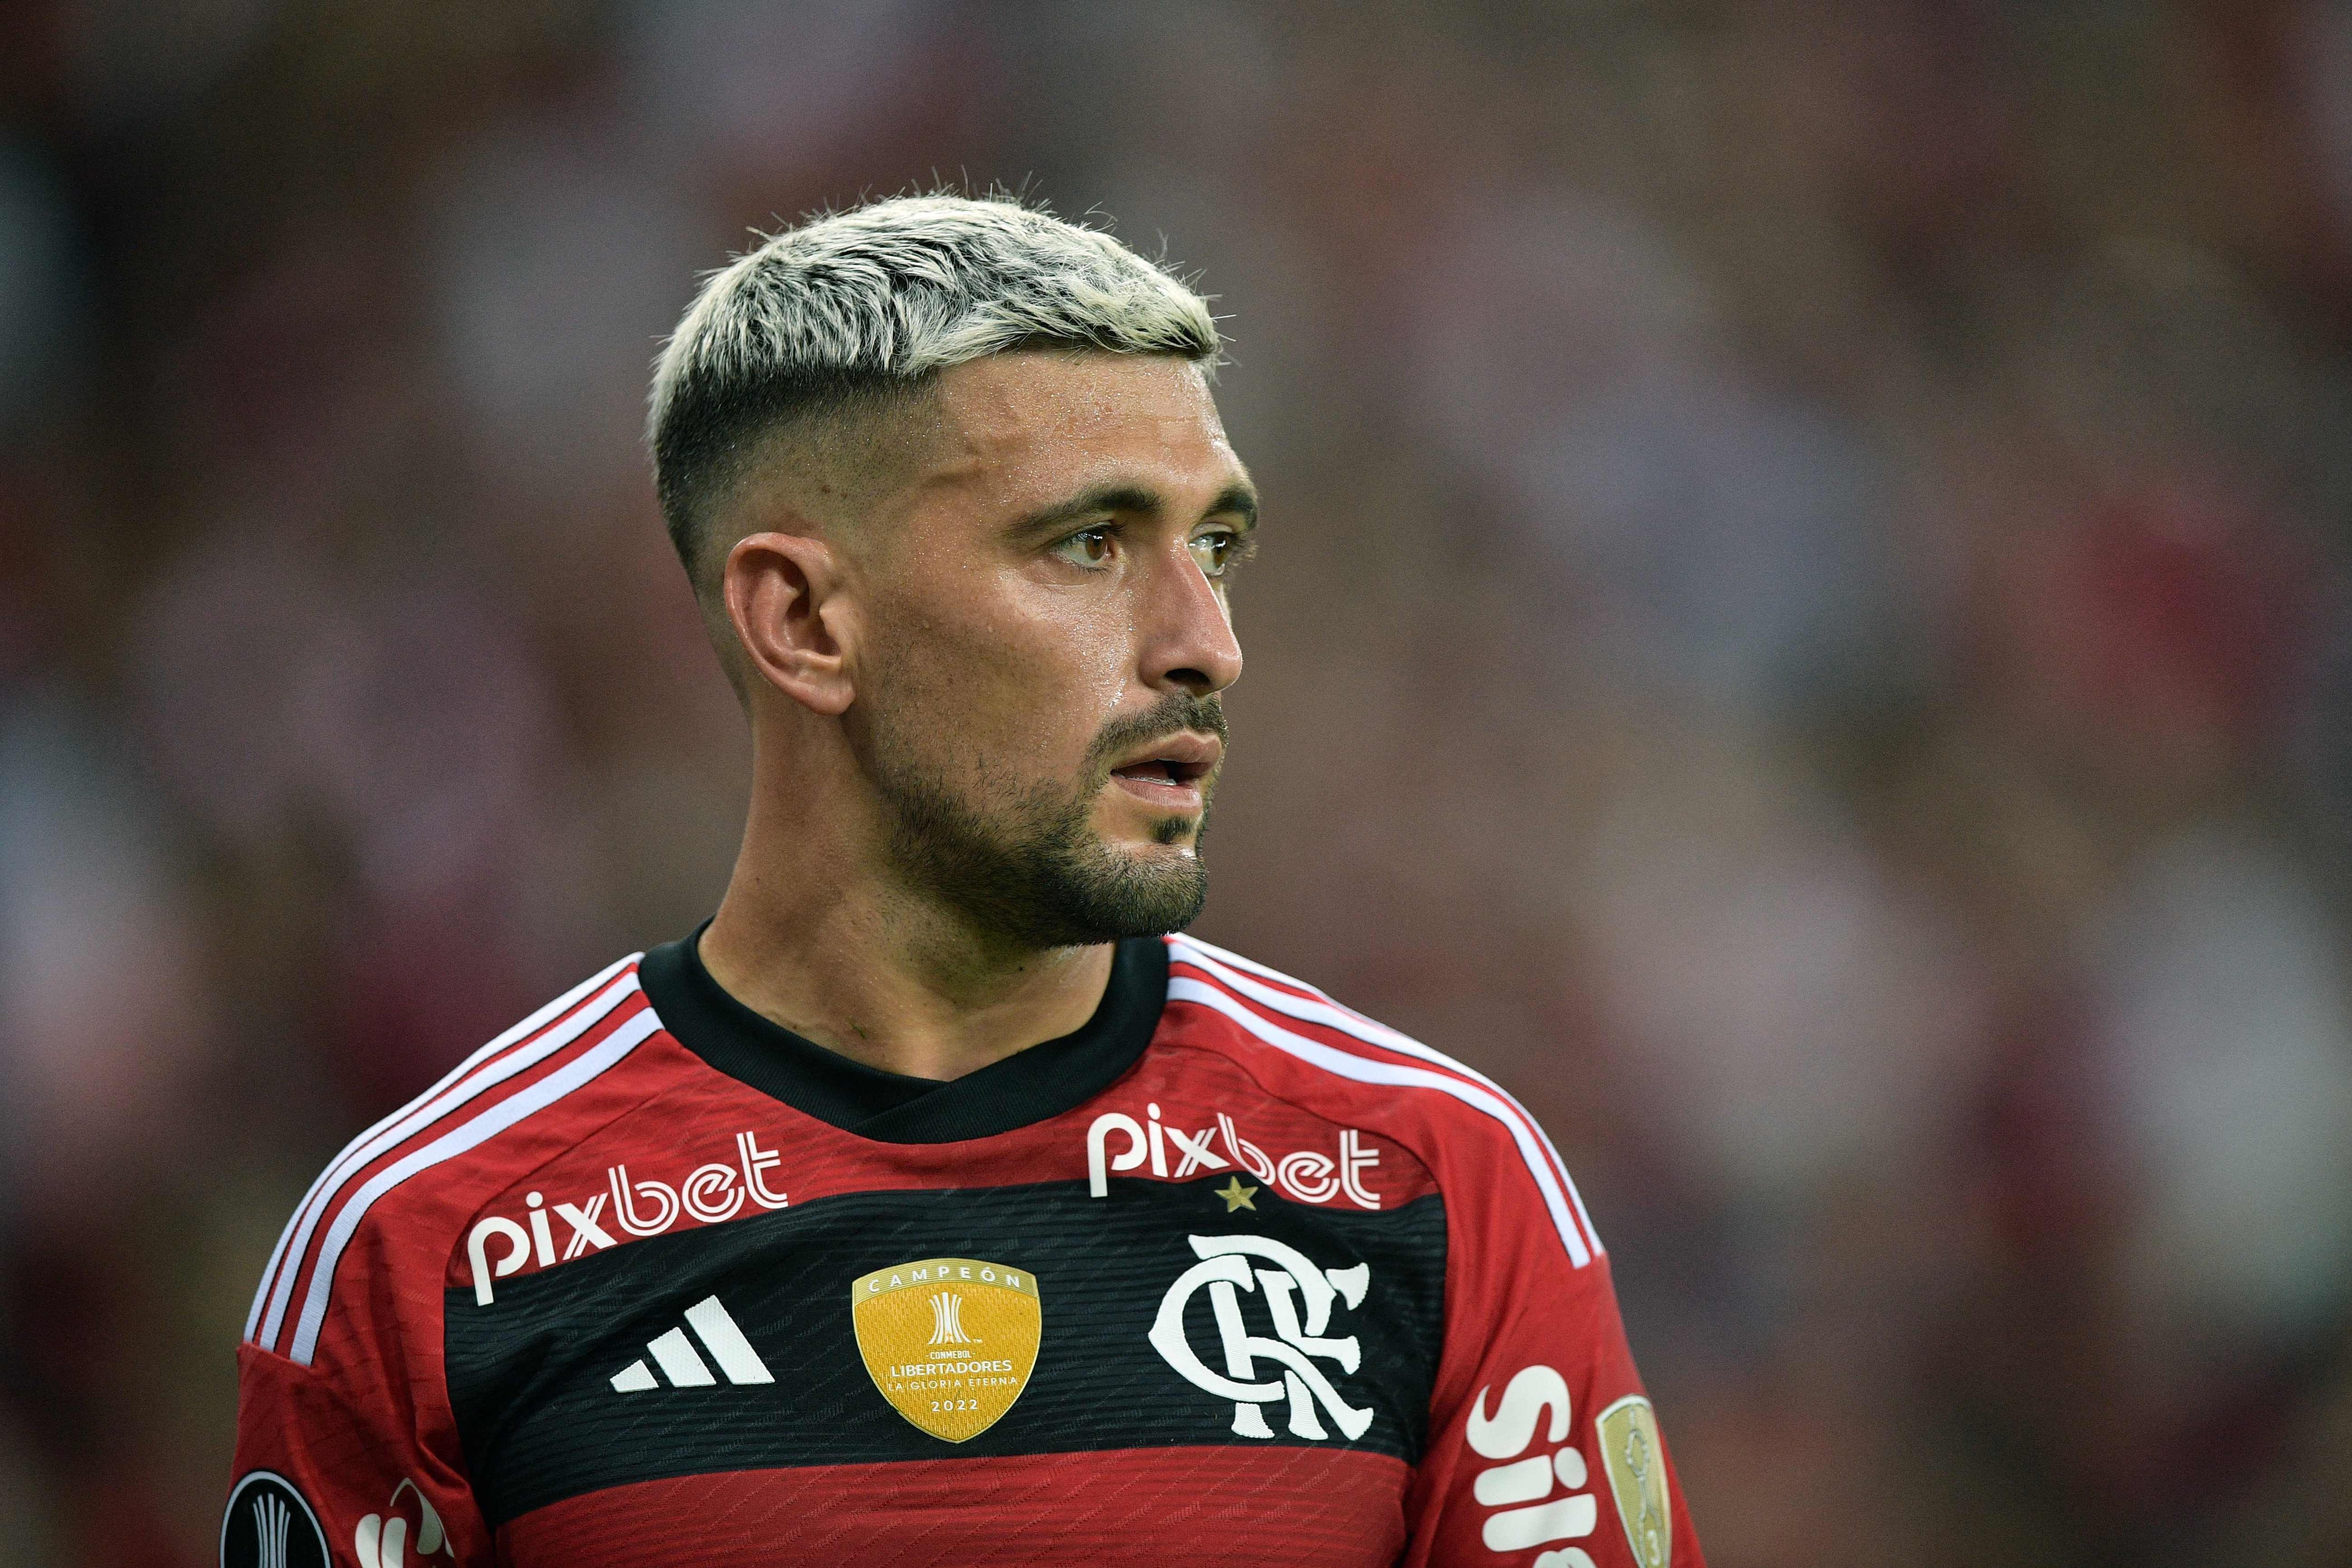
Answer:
[(1150, 838), (1176, 839)]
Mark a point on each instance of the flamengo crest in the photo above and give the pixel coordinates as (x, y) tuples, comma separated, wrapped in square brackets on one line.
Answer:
[(950, 1342), (1261, 1371)]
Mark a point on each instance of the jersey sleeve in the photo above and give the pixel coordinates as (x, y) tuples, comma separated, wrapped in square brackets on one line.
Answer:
[(330, 1468), (1543, 1449)]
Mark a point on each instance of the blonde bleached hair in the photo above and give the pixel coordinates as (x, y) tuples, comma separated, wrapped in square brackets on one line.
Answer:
[(848, 310)]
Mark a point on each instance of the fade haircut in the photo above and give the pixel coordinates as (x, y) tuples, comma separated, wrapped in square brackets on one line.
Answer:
[(852, 311)]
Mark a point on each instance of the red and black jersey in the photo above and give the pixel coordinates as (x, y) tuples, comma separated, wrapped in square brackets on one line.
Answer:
[(1232, 1274)]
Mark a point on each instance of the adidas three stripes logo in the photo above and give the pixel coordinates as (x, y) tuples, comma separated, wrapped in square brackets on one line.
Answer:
[(683, 1365)]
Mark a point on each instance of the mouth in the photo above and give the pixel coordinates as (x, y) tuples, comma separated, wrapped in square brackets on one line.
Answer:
[(1169, 773)]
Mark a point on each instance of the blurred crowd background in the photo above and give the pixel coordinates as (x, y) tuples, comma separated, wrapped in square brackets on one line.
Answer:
[(1803, 626)]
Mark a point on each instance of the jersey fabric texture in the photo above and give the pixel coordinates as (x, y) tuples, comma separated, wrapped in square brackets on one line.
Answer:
[(1230, 1275)]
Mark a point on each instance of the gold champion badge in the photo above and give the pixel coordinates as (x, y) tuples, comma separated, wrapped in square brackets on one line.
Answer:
[(1636, 1463), (950, 1342)]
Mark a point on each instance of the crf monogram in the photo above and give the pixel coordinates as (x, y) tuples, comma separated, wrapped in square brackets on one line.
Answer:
[(947, 1321), (1293, 1283)]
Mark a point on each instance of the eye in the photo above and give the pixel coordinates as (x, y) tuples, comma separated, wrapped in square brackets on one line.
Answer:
[(1216, 550), (1091, 548)]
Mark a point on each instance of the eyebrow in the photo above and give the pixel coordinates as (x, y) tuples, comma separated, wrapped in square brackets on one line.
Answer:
[(1238, 501)]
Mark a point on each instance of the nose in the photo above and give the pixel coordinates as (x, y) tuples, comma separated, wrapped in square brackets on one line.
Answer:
[(1187, 630)]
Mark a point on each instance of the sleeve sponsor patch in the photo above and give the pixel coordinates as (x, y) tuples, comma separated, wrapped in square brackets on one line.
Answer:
[(270, 1524), (1631, 1453)]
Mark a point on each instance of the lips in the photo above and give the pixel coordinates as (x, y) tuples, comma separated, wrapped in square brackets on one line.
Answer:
[(1180, 759), (1168, 772), (1162, 769)]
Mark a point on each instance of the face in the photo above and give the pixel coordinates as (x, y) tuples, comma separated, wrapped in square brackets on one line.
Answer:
[(1048, 634)]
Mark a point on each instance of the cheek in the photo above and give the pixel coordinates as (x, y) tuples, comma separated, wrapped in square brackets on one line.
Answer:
[(1013, 692), (1077, 671)]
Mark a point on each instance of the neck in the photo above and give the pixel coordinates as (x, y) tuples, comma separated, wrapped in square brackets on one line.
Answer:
[(812, 935)]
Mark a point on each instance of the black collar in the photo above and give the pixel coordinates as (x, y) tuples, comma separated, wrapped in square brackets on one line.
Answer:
[(1027, 1087)]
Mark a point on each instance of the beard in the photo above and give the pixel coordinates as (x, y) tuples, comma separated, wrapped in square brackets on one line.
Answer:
[(1026, 864)]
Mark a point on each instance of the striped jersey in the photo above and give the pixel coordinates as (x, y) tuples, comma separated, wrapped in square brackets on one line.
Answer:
[(1231, 1274)]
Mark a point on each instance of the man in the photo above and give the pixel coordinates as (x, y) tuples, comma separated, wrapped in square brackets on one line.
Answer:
[(932, 1203)]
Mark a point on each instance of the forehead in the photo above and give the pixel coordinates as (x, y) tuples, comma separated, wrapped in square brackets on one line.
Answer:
[(1036, 424)]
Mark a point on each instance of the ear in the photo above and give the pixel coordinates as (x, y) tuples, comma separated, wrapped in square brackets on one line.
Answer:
[(784, 596)]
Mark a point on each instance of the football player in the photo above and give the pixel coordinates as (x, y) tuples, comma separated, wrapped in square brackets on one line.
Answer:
[(938, 1201)]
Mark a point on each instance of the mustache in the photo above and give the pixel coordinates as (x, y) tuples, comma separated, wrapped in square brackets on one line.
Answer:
[(1176, 710)]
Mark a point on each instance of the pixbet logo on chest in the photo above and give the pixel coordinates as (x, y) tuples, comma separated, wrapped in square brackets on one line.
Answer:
[(1307, 1174), (708, 1193)]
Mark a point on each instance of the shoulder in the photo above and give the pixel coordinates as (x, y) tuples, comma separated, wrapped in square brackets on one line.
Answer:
[(1302, 1043), (399, 1194)]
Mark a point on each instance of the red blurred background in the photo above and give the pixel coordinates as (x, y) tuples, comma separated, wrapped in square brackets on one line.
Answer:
[(1804, 627)]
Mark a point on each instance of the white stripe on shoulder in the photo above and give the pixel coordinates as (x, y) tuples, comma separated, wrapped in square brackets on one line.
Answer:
[(323, 1189), (1367, 1070), (1226, 955), (580, 1069), (456, 1087), (1337, 1015)]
